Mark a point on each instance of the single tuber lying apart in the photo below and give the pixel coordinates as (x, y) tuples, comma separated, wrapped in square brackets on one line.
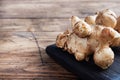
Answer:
[(92, 37)]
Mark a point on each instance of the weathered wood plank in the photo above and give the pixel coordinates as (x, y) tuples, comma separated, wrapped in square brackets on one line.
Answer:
[(20, 58), (33, 71), (40, 78), (44, 39), (46, 35), (51, 1), (57, 76), (37, 9), (47, 25)]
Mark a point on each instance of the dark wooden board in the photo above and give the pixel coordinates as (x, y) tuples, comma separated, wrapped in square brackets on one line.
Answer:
[(86, 70)]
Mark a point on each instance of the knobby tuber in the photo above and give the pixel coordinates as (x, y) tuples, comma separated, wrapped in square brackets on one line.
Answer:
[(106, 18), (118, 24), (94, 36), (91, 19)]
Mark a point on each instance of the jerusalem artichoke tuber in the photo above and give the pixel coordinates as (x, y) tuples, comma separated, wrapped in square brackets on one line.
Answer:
[(104, 56), (117, 27), (86, 39), (81, 28), (106, 18), (91, 19)]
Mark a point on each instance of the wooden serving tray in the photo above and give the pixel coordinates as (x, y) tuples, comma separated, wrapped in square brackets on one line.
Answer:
[(86, 70)]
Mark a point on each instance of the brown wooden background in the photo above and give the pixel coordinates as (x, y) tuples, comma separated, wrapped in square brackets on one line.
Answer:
[(22, 53)]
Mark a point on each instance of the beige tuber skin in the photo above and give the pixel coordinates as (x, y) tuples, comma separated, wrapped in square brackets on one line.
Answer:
[(104, 56), (106, 18), (81, 28), (117, 27), (91, 19), (62, 38), (85, 39)]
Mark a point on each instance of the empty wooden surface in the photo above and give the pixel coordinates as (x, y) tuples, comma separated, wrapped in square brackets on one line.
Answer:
[(22, 53)]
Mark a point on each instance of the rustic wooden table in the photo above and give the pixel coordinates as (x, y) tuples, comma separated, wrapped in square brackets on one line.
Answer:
[(22, 53)]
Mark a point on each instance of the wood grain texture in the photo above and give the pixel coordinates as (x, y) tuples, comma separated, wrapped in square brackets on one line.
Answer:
[(53, 9), (40, 25), (22, 53), (20, 58)]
